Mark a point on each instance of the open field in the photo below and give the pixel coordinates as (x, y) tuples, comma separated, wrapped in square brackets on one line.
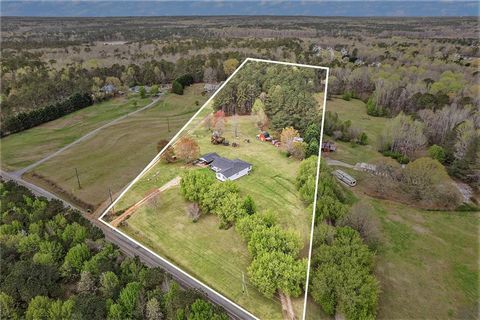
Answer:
[(24, 148), (219, 257), (355, 110), (115, 155), (427, 262)]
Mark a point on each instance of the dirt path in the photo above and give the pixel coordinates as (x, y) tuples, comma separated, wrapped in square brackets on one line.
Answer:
[(170, 184), (20, 172), (287, 307), (338, 163)]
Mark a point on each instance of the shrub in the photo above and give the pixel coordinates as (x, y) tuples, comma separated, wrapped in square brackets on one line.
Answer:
[(363, 139), (177, 87), (397, 156), (347, 96), (374, 110), (249, 205), (438, 153), (185, 80)]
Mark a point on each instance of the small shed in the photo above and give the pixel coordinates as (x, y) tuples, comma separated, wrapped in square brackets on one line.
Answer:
[(328, 146), (264, 136)]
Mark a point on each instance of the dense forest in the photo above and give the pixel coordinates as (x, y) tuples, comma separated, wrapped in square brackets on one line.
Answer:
[(56, 265), (287, 99)]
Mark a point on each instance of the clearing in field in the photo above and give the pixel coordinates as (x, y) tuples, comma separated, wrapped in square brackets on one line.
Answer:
[(240, 155)]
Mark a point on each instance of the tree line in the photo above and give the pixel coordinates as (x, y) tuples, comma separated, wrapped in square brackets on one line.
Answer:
[(29, 119), (56, 265), (342, 281)]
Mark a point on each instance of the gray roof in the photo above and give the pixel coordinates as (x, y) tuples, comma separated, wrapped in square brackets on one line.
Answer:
[(209, 157), (237, 166), (226, 166)]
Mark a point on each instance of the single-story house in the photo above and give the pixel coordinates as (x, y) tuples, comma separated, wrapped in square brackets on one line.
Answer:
[(211, 87), (109, 89), (226, 169)]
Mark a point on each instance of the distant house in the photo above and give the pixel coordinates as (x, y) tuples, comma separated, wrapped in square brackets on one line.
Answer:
[(226, 169), (136, 89), (211, 87), (109, 89)]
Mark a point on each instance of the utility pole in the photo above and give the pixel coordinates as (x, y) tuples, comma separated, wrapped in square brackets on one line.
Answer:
[(78, 179), (235, 124)]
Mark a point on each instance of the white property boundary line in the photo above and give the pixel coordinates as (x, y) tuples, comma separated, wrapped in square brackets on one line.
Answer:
[(157, 157)]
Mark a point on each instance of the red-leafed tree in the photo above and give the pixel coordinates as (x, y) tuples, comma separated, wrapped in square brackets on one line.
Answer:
[(187, 149)]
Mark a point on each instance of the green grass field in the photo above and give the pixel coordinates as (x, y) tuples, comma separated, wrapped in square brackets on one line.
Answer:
[(218, 257), (427, 263), (355, 110), (115, 155), (24, 148)]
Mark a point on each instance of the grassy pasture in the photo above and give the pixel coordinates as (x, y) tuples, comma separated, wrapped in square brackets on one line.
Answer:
[(218, 257), (115, 155), (24, 148), (428, 261), (356, 111)]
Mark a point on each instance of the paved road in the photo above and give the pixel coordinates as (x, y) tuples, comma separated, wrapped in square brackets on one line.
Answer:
[(131, 248), (20, 172)]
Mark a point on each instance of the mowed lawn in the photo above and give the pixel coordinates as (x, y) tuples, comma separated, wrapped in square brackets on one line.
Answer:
[(219, 257), (24, 148), (356, 111), (114, 156)]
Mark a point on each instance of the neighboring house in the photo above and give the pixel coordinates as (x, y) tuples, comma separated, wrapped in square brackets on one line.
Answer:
[(211, 87), (136, 89), (226, 169), (109, 89)]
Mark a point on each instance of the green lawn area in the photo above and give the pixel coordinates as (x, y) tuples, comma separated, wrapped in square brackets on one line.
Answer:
[(115, 155), (218, 257), (356, 111), (24, 148), (428, 262)]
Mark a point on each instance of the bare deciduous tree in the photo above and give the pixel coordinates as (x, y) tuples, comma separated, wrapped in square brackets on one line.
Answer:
[(193, 211)]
